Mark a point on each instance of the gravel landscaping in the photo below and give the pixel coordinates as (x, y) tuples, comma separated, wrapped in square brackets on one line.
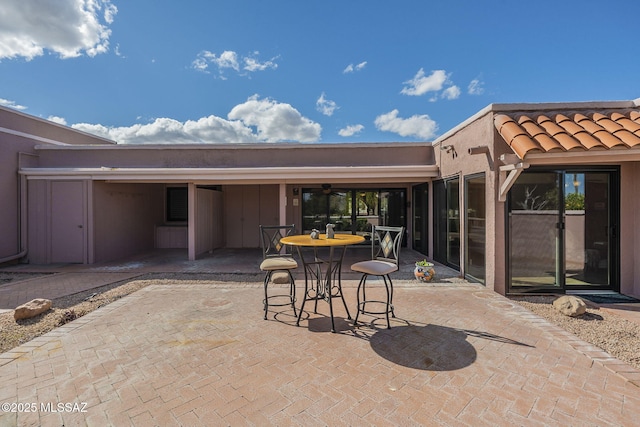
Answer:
[(617, 336)]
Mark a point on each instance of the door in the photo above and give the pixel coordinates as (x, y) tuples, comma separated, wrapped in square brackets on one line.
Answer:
[(563, 230), (242, 207), (590, 230), (68, 228), (352, 211), (420, 200), (446, 222), (534, 229)]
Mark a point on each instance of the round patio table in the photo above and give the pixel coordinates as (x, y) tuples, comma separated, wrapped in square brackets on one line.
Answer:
[(319, 284)]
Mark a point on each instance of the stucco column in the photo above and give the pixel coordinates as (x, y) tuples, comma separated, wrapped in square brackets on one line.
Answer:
[(282, 203), (191, 233)]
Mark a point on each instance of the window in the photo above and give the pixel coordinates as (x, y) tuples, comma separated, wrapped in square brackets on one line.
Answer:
[(177, 204)]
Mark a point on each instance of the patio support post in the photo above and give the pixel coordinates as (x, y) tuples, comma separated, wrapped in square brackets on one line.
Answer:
[(283, 203), (191, 197)]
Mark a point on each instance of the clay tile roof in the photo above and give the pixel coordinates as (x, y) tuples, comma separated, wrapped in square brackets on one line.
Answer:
[(515, 136), (627, 123), (547, 133)]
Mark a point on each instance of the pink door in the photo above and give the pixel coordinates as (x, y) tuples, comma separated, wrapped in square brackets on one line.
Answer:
[(68, 226)]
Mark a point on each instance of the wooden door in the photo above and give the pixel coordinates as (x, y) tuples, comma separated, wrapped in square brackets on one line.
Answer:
[(68, 224)]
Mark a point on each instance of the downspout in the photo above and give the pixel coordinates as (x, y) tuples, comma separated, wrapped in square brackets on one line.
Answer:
[(22, 214)]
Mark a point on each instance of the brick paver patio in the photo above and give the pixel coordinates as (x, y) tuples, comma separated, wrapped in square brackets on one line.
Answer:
[(200, 354)]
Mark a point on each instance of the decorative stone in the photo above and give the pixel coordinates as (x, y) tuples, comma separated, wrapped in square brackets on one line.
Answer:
[(31, 308), (570, 305)]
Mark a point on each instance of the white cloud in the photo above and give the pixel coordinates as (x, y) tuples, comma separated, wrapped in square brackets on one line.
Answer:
[(421, 84), (326, 106), (66, 27), (475, 87), (351, 68), (350, 130), (229, 60), (56, 119), (11, 104), (417, 126), (452, 92), (275, 121), (255, 120), (252, 64)]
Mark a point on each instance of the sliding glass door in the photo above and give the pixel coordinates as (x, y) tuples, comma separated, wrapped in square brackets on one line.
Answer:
[(352, 210), (420, 200), (475, 227), (535, 238), (563, 230), (446, 197)]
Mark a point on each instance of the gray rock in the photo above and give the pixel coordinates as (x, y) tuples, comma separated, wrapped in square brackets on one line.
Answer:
[(31, 308), (570, 305)]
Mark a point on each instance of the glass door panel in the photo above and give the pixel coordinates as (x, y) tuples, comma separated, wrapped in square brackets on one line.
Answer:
[(367, 211), (587, 225), (352, 210), (453, 222), (475, 228), (314, 211), (340, 211), (535, 238), (421, 218), (446, 222)]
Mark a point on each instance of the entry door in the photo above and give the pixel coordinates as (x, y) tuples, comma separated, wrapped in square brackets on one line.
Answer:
[(590, 230), (68, 228)]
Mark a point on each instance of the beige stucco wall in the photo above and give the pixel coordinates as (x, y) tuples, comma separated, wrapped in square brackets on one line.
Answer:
[(630, 229), (237, 155), (20, 134), (14, 149), (453, 159), (125, 217)]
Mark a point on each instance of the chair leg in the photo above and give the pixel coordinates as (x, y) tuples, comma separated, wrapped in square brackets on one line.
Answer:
[(304, 298), (388, 307), (292, 292), (363, 279), (267, 277), (393, 314)]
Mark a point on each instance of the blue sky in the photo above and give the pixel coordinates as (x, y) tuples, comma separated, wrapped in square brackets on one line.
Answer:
[(160, 71)]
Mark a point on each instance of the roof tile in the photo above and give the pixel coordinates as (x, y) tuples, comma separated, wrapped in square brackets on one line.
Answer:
[(627, 123), (539, 135), (588, 131), (598, 131), (558, 133), (578, 132)]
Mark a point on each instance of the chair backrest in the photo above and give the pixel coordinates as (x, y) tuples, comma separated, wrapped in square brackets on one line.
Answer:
[(270, 236), (386, 242)]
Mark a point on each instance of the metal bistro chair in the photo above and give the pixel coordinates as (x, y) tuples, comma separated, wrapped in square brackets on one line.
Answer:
[(277, 261), (385, 252)]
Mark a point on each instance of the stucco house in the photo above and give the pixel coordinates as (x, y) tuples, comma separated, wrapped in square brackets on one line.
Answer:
[(519, 197)]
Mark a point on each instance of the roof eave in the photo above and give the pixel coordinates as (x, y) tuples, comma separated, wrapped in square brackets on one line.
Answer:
[(334, 174)]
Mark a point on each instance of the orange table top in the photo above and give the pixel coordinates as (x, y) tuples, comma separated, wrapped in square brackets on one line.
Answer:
[(338, 240)]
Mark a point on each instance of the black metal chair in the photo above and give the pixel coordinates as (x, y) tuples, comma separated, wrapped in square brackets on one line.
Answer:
[(277, 262), (385, 255)]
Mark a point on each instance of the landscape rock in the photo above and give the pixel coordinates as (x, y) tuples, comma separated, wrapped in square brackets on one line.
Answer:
[(31, 308), (570, 305)]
